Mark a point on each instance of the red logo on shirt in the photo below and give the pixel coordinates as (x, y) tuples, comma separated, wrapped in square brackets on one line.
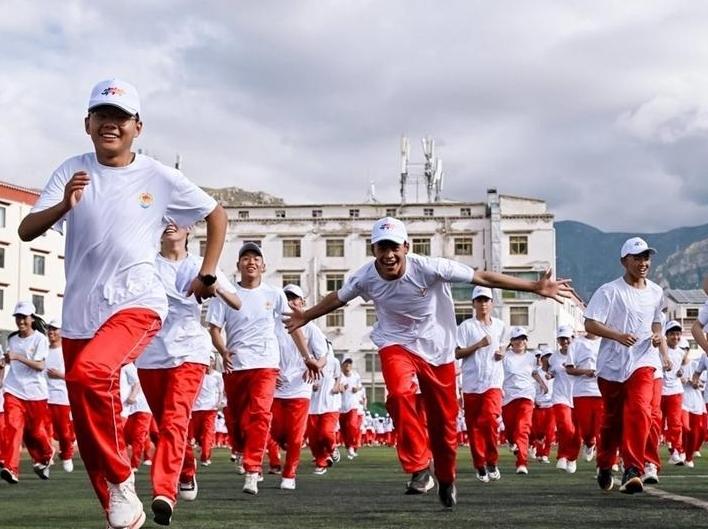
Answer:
[(145, 200)]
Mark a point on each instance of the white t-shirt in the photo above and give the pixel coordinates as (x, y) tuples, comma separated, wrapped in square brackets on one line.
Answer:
[(582, 353), (671, 384), (56, 386), (692, 400), (544, 400), (562, 381), (480, 371), (250, 331), (182, 337), (113, 233), (627, 310), (415, 311), (322, 400), (210, 393), (292, 366), (128, 378), (518, 376), (22, 381), (701, 367), (350, 400)]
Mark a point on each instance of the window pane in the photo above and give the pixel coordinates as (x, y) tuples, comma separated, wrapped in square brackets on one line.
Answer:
[(518, 245), (291, 279), (243, 214), (369, 253), (334, 282), (428, 212), (373, 362), (513, 294), (461, 291), (370, 317), (519, 316), (38, 301), (336, 318), (692, 313), (280, 213), (2, 257), (202, 248), (291, 247), (354, 213), (335, 247), (465, 212), (38, 265), (463, 245), (316, 213), (463, 313), (390, 212), (2, 216), (421, 246), (2, 298)]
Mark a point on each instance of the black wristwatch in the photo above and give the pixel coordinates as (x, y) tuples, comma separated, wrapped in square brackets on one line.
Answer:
[(207, 279)]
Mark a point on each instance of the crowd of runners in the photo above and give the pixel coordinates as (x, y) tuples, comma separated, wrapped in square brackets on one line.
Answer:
[(129, 373)]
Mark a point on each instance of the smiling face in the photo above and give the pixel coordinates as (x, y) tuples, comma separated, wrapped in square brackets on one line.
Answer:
[(563, 343), (390, 259), (112, 132), (518, 345), (173, 234), (24, 324), (637, 266), (54, 336), (673, 337), (251, 266)]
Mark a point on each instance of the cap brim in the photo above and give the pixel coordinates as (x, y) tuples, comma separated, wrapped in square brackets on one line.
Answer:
[(652, 251), (397, 240), (482, 296), (129, 111), (21, 314)]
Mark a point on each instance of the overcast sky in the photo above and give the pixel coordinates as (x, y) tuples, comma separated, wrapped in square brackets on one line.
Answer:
[(598, 107)]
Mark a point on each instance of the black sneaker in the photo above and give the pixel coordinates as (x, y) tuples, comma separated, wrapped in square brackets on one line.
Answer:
[(631, 481), (9, 476), (41, 470), (447, 495), (604, 478), (162, 509), (420, 483)]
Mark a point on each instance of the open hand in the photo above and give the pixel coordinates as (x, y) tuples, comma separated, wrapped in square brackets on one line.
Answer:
[(558, 289)]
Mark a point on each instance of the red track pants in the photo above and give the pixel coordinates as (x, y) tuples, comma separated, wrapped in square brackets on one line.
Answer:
[(93, 380), (482, 412), (25, 419), (62, 429), (543, 430), (287, 431), (136, 430), (672, 416), (349, 426), (250, 397), (517, 416), (627, 419), (321, 436), (202, 427), (438, 394), (565, 431), (693, 431), (656, 427), (587, 418)]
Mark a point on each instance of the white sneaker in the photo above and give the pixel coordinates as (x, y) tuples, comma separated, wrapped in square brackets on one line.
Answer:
[(545, 460), (532, 452), (651, 475), (67, 465), (188, 491), (482, 475), (206, 463), (675, 458), (351, 453), (238, 461), (589, 453), (689, 464), (162, 509), (320, 471), (41, 470), (562, 463), (124, 506), (571, 467), (250, 484), (336, 456), (521, 469), (260, 477), (493, 473), (147, 462), (513, 448), (696, 454), (615, 467), (287, 484)]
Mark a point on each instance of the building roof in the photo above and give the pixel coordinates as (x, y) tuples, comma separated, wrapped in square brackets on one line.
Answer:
[(15, 193), (695, 296)]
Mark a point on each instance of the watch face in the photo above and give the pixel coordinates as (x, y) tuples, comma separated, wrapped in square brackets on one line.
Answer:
[(208, 280)]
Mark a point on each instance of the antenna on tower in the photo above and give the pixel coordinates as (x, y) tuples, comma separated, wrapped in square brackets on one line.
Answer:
[(178, 161), (371, 194), (405, 155), (438, 176), (429, 153)]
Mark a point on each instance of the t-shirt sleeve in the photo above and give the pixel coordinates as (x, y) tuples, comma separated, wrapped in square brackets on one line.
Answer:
[(570, 357), (451, 271), (352, 287), (188, 203), (281, 306), (42, 349), (701, 365), (658, 314), (131, 374), (462, 335), (216, 313), (599, 307), (53, 193), (224, 281), (317, 344)]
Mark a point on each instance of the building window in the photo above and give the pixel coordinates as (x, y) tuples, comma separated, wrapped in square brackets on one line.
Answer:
[(316, 213), (335, 318), (518, 245), (421, 246), (2, 257), (463, 313), (519, 316), (291, 279), (390, 212), (373, 362), (692, 313), (354, 213), (465, 212), (38, 302), (202, 248), (461, 291), (428, 212), (291, 247), (375, 393), (38, 264), (243, 214), (370, 317), (334, 247), (514, 294), (2, 299), (369, 251), (463, 245), (334, 282), (280, 213), (2, 216)]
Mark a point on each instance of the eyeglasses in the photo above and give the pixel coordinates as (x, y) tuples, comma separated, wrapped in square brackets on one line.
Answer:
[(121, 119)]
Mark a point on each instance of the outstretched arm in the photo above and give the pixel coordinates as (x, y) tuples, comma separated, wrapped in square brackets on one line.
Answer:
[(700, 336), (557, 289), (297, 318)]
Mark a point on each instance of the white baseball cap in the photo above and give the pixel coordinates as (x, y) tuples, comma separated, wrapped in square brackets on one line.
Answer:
[(670, 326), (635, 246), (565, 331), (480, 291), (683, 344), (115, 93), (347, 359), (544, 350), (389, 229), (55, 323), (294, 290), (517, 332), (24, 308)]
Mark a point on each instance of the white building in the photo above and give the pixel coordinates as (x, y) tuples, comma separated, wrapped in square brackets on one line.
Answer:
[(317, 245), (683, 306), (28, 271)]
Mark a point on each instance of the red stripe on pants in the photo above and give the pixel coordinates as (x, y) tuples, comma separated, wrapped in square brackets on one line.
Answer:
[(321, 436), (672, 415), (627, 419), (202, 427), (25, 419), (565, 432), (543, 430), (482, 412), (171, 394), (651, 453), (93, 380), (287, 431), (250, 396), (136, 429), (438, 393), (63, 430), (349, 428), (517, 416), (693, 431)]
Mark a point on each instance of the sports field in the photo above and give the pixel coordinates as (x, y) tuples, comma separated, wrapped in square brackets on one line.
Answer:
[(368, 492)]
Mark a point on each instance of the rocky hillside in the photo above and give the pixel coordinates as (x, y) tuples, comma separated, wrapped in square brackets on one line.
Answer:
[(686, 268), (234, 196)]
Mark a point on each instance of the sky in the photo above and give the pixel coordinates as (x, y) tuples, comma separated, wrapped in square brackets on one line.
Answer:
[(598, 107)]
